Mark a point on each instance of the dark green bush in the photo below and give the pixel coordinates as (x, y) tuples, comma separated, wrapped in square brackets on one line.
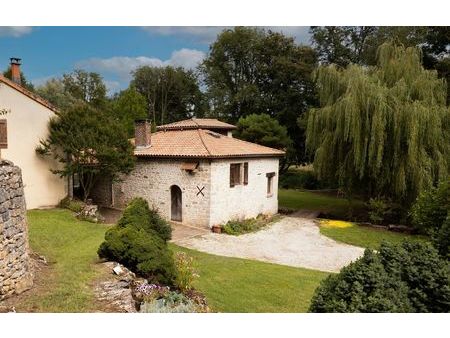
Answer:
[(299, 179), (431, 209), (138, 214), (142, 251), (410, 277)]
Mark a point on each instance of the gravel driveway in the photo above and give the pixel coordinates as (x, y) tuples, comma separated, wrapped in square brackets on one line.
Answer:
[(293, 241)]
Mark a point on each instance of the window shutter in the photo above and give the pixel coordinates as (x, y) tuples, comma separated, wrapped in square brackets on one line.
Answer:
[(3, 134), (245, 173)]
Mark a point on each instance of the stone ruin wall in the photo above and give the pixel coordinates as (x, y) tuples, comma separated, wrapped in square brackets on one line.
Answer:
[(15, 266)]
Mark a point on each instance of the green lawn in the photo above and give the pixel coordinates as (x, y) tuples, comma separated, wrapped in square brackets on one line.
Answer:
[(309, 200), (241, 285), (230, 284), (366, 237), (70, 246)]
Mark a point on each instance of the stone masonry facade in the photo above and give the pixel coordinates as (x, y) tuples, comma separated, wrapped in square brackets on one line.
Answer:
[(15, 267), (152, 179), (207, 198)]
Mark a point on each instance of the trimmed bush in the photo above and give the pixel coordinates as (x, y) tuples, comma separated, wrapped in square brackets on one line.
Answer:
[(141, 251), (138, 214), (410, 277)]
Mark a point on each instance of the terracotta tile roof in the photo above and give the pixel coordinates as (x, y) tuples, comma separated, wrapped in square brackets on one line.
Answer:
[(26, 92), (195, 123), (200, 143)]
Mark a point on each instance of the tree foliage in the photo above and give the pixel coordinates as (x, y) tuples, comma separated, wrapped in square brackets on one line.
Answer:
[(127, 106), (172, 94), (85, 86), (383, 130), (55, 92), (23, 80), (410, 277), (89, 143), (265, 130), (358, 44), (254, 71)]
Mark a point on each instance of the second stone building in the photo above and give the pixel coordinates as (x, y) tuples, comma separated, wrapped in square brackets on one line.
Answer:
[(196, 173)]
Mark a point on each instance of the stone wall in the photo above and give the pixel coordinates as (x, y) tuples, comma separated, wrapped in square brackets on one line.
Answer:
[(15, 270), (243, 201), (152, 178)]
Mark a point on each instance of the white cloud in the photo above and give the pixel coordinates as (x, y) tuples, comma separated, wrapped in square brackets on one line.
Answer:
[(15, 31), (186, 58), (207, 34), (117, 70), (122, 66), (203, 34)]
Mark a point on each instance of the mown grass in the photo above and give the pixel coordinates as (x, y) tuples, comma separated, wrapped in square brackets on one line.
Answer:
[(70, 246), (230, 284), (366, 237), (316, 201), (242, 285)]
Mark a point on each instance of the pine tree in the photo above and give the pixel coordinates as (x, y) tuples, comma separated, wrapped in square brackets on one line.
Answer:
[(381, 130)]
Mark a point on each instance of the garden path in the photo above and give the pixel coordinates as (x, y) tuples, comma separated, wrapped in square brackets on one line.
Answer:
[(293, 241)]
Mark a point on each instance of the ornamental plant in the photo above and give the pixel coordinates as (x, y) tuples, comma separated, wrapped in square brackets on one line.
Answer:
[(410, 277), (186, 273)]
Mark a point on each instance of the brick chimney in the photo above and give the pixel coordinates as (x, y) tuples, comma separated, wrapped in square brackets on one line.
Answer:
[(142, 133), (15, 70)]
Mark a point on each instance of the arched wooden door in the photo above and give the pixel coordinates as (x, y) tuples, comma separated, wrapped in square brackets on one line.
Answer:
[(176, 203)]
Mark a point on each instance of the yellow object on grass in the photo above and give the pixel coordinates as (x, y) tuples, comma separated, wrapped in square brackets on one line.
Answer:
[(336, 224)]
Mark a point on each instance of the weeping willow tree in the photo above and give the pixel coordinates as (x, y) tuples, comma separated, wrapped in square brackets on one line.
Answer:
[(382, 130)]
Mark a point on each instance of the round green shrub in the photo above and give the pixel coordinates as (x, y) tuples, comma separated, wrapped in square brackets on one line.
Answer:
[(142, 251), (410, 277), (138, 214), (431, 209)]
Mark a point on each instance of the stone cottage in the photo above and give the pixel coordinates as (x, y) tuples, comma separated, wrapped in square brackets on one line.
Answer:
[(195, 172)]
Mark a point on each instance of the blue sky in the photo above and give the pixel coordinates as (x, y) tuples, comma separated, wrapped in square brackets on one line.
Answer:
[(111, 51)]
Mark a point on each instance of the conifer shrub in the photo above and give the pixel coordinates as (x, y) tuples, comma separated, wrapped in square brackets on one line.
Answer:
[(410, 277), (141, 251), (139, 214), (139, 241)]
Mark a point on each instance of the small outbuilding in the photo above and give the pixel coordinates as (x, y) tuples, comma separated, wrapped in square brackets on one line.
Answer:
[(196, 173)]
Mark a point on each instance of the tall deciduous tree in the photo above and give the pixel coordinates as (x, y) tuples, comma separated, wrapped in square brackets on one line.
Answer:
[(383, 129), (265, 130), (89, 143), (86, 86), (54, 91), (172, 93), (127, 106), (254, 71)]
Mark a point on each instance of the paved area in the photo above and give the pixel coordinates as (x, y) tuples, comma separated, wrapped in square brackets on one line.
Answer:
[(182, 232), (293, 241)]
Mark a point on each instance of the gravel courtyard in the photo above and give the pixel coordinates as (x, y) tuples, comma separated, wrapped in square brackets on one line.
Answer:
[(293, 241)]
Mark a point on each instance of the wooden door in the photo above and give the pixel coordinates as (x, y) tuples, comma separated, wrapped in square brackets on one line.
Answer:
[(176, 205)]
